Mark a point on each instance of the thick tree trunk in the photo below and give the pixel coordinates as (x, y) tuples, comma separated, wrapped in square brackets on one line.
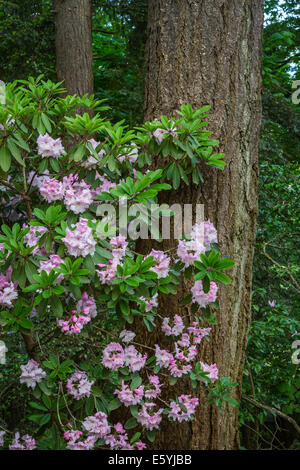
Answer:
[(74, 59), (209, 52)]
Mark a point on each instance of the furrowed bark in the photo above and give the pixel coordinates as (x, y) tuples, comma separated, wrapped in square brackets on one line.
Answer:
[(74, 58), (204, 52)]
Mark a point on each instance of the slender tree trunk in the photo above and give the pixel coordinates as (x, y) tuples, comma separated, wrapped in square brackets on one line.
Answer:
[(209, 52), (74, 59)]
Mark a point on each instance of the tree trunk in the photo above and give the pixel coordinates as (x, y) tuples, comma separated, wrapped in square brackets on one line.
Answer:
[(74, 57), (209, 52)]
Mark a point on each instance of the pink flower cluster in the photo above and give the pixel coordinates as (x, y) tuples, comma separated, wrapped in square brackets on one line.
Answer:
[(79, 386), (185, 349), (107, 272), (49, 147), (127, 336), (8, 291), (75, 322), (51, 189), (118, 440), (87, 302), (114, 357), (134, 397), (151, 303), (32, 374), (212, 370), (161, 267), (202, 236), (25, 442), (149, 418), (33, 236), (183, 409), (97, 427), (80, 242), (73, 436), (53, 262), (160, 134), (130, 397), (76, 194), (104, 187), (200, 297), (176, 329)]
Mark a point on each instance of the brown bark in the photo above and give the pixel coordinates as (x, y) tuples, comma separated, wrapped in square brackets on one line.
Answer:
[(74, 59), (209, 52)]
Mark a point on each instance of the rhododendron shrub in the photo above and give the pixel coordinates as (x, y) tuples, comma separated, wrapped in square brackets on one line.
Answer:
[(71, 276)]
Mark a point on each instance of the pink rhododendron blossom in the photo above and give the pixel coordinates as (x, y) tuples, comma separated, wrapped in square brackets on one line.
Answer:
[(8, 291), (53, 262), (87, 302), (163, 357), (113, 356), (154, 387), (133, 359), (107, 272), (198, 333), (212, 370), (79, 386), (35, 180), (177, 327), (75, 322), (151, 303), (140, 446), (119, 245), (199, 295), (178, 368), (127, 336), (130, 397), (148, 418), (31, 374), (80, 242), (183, 409), (25, 442), (185, 353), (33, 236), (78, 196), (49, 147), (104, 187), (51, 189), (161, 267), (97, 425)]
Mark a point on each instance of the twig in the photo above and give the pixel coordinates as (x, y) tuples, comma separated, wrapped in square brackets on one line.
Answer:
[(273, 410)]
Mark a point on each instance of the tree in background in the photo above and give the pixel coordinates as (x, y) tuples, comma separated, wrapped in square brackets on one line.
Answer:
[(203, 53), (73, 38)]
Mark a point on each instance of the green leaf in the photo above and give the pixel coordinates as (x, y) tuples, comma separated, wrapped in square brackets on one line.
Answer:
[(5, 158), (114, 404), (222, 278), (130, 423), (151, 435)]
